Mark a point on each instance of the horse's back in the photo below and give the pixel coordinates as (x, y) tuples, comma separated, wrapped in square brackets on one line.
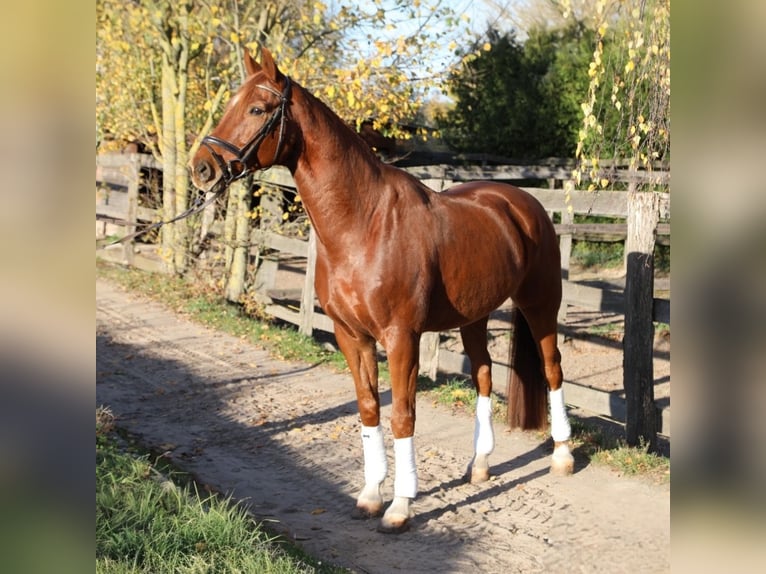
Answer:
[(497, 206)]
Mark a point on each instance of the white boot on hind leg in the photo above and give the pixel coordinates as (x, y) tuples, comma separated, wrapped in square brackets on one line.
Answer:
[(483, 441), (562, 462)]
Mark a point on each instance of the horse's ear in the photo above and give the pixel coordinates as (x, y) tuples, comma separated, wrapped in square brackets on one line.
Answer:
[(269, 67), (251, 65)]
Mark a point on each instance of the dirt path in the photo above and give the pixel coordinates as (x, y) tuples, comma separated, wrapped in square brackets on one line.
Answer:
[(284, 436)]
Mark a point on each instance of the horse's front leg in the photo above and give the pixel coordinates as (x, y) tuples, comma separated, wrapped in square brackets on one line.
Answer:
[(403, 355), (359, 351)]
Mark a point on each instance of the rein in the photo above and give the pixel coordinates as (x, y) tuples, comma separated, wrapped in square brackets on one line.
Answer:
[(243, 155), (199, 205)]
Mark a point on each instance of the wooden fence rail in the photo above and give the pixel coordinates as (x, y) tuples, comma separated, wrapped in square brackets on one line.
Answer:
[(434, 358)]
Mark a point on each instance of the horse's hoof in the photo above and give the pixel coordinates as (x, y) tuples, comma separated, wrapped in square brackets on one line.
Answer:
[(479, 475), (562, 461), (362, 513), (397, 517), (394, 524)]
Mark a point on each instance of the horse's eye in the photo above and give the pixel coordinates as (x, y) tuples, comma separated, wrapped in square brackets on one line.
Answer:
[(256, 111)]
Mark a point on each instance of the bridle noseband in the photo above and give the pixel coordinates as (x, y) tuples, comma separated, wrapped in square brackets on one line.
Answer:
[(243, 155)]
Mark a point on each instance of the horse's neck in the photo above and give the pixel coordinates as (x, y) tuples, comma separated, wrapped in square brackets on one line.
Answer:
[(337, 174)]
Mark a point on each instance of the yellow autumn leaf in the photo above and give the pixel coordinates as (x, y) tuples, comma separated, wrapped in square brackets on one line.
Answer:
[(486, 47)]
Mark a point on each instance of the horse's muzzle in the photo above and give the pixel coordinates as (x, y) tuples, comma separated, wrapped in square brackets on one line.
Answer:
[(203, 172)]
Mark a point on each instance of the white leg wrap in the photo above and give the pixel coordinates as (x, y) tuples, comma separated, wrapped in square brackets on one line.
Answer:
[(406, 479), (375, 465), (483, 435), (560, 429)]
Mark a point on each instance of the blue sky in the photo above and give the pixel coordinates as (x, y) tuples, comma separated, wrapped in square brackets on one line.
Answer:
[(476, 10)]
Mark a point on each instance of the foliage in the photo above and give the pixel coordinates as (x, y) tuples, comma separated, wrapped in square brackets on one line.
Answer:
[(521, 99), (164, 68), (626, 111), (364, 62), (591, 81)]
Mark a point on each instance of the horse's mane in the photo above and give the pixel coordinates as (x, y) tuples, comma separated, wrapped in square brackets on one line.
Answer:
[(340, 127)]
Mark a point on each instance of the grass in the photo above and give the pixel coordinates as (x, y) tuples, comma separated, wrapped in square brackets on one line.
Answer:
[(202, 303), (610, 255), (458, 394), (150, 518)]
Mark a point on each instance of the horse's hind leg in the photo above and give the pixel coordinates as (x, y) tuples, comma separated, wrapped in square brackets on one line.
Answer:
[(474, 338), (543, 324)]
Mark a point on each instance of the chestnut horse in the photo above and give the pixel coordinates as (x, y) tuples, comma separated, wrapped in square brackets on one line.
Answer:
[(396, 259)]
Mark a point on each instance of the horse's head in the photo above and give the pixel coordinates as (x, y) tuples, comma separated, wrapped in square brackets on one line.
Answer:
[(253, 132)]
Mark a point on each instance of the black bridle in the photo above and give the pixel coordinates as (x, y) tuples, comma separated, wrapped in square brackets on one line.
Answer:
[(243, 155)]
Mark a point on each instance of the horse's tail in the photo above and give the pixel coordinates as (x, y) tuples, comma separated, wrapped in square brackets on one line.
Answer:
[(527, 387)]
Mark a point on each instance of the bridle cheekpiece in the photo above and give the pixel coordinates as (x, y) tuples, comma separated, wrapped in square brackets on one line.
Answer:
[(244, 155)]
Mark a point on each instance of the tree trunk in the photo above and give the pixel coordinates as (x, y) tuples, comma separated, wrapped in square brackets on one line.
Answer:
[(240, 247), (168, 150), (183, 244)]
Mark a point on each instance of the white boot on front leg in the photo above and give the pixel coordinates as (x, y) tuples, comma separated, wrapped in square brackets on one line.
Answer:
[(397, 516), (370, 501), (562, 462), (483, 441)]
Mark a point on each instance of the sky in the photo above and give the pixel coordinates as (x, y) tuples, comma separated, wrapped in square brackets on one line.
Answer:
[(476, 10)]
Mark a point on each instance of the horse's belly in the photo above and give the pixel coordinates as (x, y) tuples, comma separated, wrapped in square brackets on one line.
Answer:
[(450, 314)]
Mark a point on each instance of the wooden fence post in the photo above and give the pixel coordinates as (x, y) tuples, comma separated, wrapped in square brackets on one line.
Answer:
[(638, 371), (429, 355), (131, 214), (268, 263), (565, 246), (306, 325)]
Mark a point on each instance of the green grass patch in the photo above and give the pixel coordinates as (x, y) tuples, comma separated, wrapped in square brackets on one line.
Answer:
[(634, 461), (609, 450), (458, 395), (592, 255), (152, 519), (204, 303)]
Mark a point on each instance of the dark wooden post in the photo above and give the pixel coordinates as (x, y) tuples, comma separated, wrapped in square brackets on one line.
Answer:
[(638, 371)]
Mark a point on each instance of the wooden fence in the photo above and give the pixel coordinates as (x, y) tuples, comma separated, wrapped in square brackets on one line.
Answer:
[(119, 180), (645, 222)]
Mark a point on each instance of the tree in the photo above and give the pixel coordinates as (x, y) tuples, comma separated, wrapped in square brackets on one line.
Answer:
[(164, 68), (626, 114), (145, 52), (521, 100), (626, 111)]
